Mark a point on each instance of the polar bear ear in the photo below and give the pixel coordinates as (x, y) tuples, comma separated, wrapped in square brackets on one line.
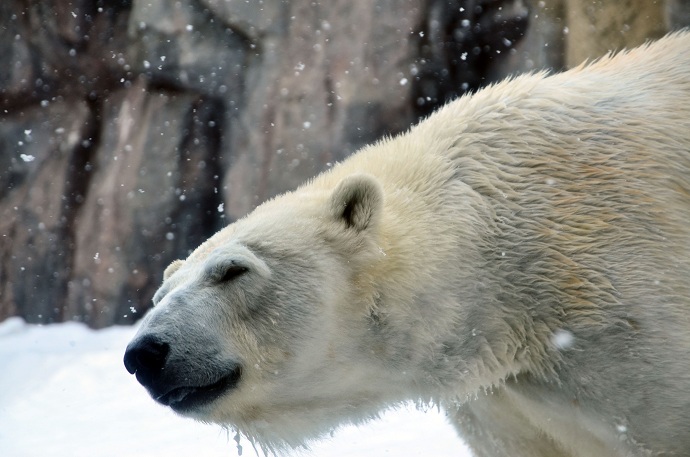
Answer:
[(172, 268), (357, 201)]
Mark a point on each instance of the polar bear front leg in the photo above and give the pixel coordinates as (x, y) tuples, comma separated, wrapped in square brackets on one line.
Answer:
[(493, 426)]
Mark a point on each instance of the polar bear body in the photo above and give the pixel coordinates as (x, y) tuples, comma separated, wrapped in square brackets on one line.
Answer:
[(521, 257)]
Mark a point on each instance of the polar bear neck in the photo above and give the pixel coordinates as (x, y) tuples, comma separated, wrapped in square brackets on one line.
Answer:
[(492, 233), (467, 212), (438, 238)]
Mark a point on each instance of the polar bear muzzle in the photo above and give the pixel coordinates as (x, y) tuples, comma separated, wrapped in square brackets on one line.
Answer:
[(174, 383)]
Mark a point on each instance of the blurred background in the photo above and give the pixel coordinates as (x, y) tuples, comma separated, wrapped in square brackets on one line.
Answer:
[(130, 131)]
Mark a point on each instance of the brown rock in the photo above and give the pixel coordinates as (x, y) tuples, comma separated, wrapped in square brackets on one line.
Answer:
[(41, 179), (129, 132), (153, 195), (601, 26)]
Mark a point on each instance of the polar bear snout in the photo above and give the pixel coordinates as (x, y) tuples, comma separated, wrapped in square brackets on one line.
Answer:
[(145, 357), (173, 381)]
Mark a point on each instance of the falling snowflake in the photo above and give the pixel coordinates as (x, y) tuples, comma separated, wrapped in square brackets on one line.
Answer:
[(562, 339)]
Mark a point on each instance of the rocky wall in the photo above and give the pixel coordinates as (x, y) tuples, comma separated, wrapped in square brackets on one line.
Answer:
[(131, 130)]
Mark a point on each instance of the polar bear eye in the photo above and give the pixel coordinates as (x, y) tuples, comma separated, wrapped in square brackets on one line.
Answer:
[(231, 272)]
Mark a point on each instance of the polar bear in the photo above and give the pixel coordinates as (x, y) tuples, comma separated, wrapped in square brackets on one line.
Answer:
[(520, 258)]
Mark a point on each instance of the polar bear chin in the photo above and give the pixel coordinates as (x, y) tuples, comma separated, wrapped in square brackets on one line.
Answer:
[(275, 428)]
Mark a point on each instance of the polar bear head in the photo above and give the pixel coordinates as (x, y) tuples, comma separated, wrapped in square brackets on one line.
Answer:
[(269, 326)]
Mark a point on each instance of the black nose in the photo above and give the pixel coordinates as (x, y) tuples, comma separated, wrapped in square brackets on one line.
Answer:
[(146, 357)]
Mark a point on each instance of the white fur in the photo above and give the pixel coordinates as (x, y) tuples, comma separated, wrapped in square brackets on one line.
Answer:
[(543, 204)]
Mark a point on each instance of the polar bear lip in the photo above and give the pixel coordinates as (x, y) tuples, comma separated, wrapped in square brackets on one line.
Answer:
[(186, 398)]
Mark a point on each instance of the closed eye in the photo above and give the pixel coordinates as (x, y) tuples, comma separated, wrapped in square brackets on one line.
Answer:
[(232, 271)]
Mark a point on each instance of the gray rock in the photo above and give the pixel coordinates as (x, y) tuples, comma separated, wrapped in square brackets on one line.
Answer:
[(131, 131)]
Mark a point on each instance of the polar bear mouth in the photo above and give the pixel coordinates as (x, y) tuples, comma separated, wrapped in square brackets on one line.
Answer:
[(186, 398)]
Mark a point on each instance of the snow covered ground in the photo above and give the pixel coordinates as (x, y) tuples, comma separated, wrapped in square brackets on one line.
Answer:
[(65, 393)]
